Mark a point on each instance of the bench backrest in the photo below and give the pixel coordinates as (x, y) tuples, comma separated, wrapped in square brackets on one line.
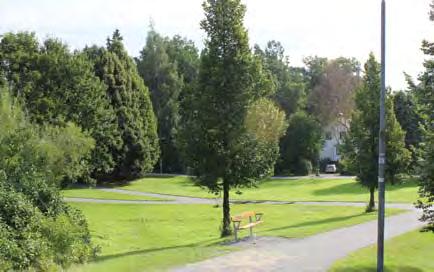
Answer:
[(244, 215)]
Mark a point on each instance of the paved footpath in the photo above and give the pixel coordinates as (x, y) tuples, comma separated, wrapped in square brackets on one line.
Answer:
[(314, 253)]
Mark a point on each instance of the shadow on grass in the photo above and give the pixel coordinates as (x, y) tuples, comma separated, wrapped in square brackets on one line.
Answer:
[(206, 243), (184, 181), (357, 189), (316, 222), (345, 188), (374, 269), (76, 186)]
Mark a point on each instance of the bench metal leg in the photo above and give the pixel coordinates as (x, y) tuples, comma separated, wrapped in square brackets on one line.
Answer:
[(251, 228)]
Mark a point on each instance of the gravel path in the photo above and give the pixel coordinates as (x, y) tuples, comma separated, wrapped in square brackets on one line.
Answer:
[(321, 176), (166, 199), (114, 201), (174, 199), (314, 253)]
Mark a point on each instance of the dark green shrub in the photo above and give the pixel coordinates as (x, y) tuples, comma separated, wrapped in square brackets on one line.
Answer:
[(38, 231), (303, 139), (303, 168)]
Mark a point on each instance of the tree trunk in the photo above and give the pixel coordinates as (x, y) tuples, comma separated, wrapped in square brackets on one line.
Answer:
[(392, 179), (226, 226), (371, 205)]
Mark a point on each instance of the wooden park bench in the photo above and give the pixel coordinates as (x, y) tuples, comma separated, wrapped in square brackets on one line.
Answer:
[(240, 223)]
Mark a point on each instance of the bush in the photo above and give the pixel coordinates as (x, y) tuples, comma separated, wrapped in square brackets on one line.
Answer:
[(38, 231), (22, 246), (303, 168), (68, 238), (346, 168), (29, 239), (303, 140)]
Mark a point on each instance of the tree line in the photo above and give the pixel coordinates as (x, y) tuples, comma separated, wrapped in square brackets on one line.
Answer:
[(134, 108)]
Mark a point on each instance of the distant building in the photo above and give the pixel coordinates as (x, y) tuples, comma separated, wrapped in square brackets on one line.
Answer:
[(334, 135)]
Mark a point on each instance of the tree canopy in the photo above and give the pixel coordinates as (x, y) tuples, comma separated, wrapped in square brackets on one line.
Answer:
[(57, 86), (333, 95), (168, 67)]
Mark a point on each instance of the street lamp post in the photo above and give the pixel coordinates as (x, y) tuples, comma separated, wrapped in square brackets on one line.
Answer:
[(382, 144)]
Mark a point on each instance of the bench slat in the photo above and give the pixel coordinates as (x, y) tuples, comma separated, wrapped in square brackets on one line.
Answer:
[(250, 225)]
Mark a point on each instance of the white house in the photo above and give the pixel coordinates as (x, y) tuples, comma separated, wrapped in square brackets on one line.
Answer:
[(334, 135)]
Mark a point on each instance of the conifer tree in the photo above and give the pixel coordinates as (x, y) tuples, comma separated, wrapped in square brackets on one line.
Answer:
[(130, 100), (425, 97), (360, 148)]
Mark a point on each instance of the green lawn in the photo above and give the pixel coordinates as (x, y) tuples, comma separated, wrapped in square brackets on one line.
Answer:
[(98, 194), (306, 189), (411, 252), (155, 237)]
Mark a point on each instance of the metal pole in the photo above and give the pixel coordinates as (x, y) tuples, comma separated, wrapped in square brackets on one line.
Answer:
[(382, 144)]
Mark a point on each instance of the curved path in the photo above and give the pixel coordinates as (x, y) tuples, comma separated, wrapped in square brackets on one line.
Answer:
[(176, 199), (313, 253), (166, 199)]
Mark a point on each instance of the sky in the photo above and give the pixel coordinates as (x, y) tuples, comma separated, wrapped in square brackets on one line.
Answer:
[(332, 28)]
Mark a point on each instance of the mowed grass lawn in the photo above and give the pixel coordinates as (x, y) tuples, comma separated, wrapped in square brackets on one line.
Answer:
[(156, 237), (305, 189), (99, 194), (410, 252)]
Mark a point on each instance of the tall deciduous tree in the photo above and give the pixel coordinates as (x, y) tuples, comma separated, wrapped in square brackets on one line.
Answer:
[(131, 102), (160, 74), (315, 67), (185, 54), (333, 94), (360, 148), (290, 81), (291, 84), (223, 150)]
